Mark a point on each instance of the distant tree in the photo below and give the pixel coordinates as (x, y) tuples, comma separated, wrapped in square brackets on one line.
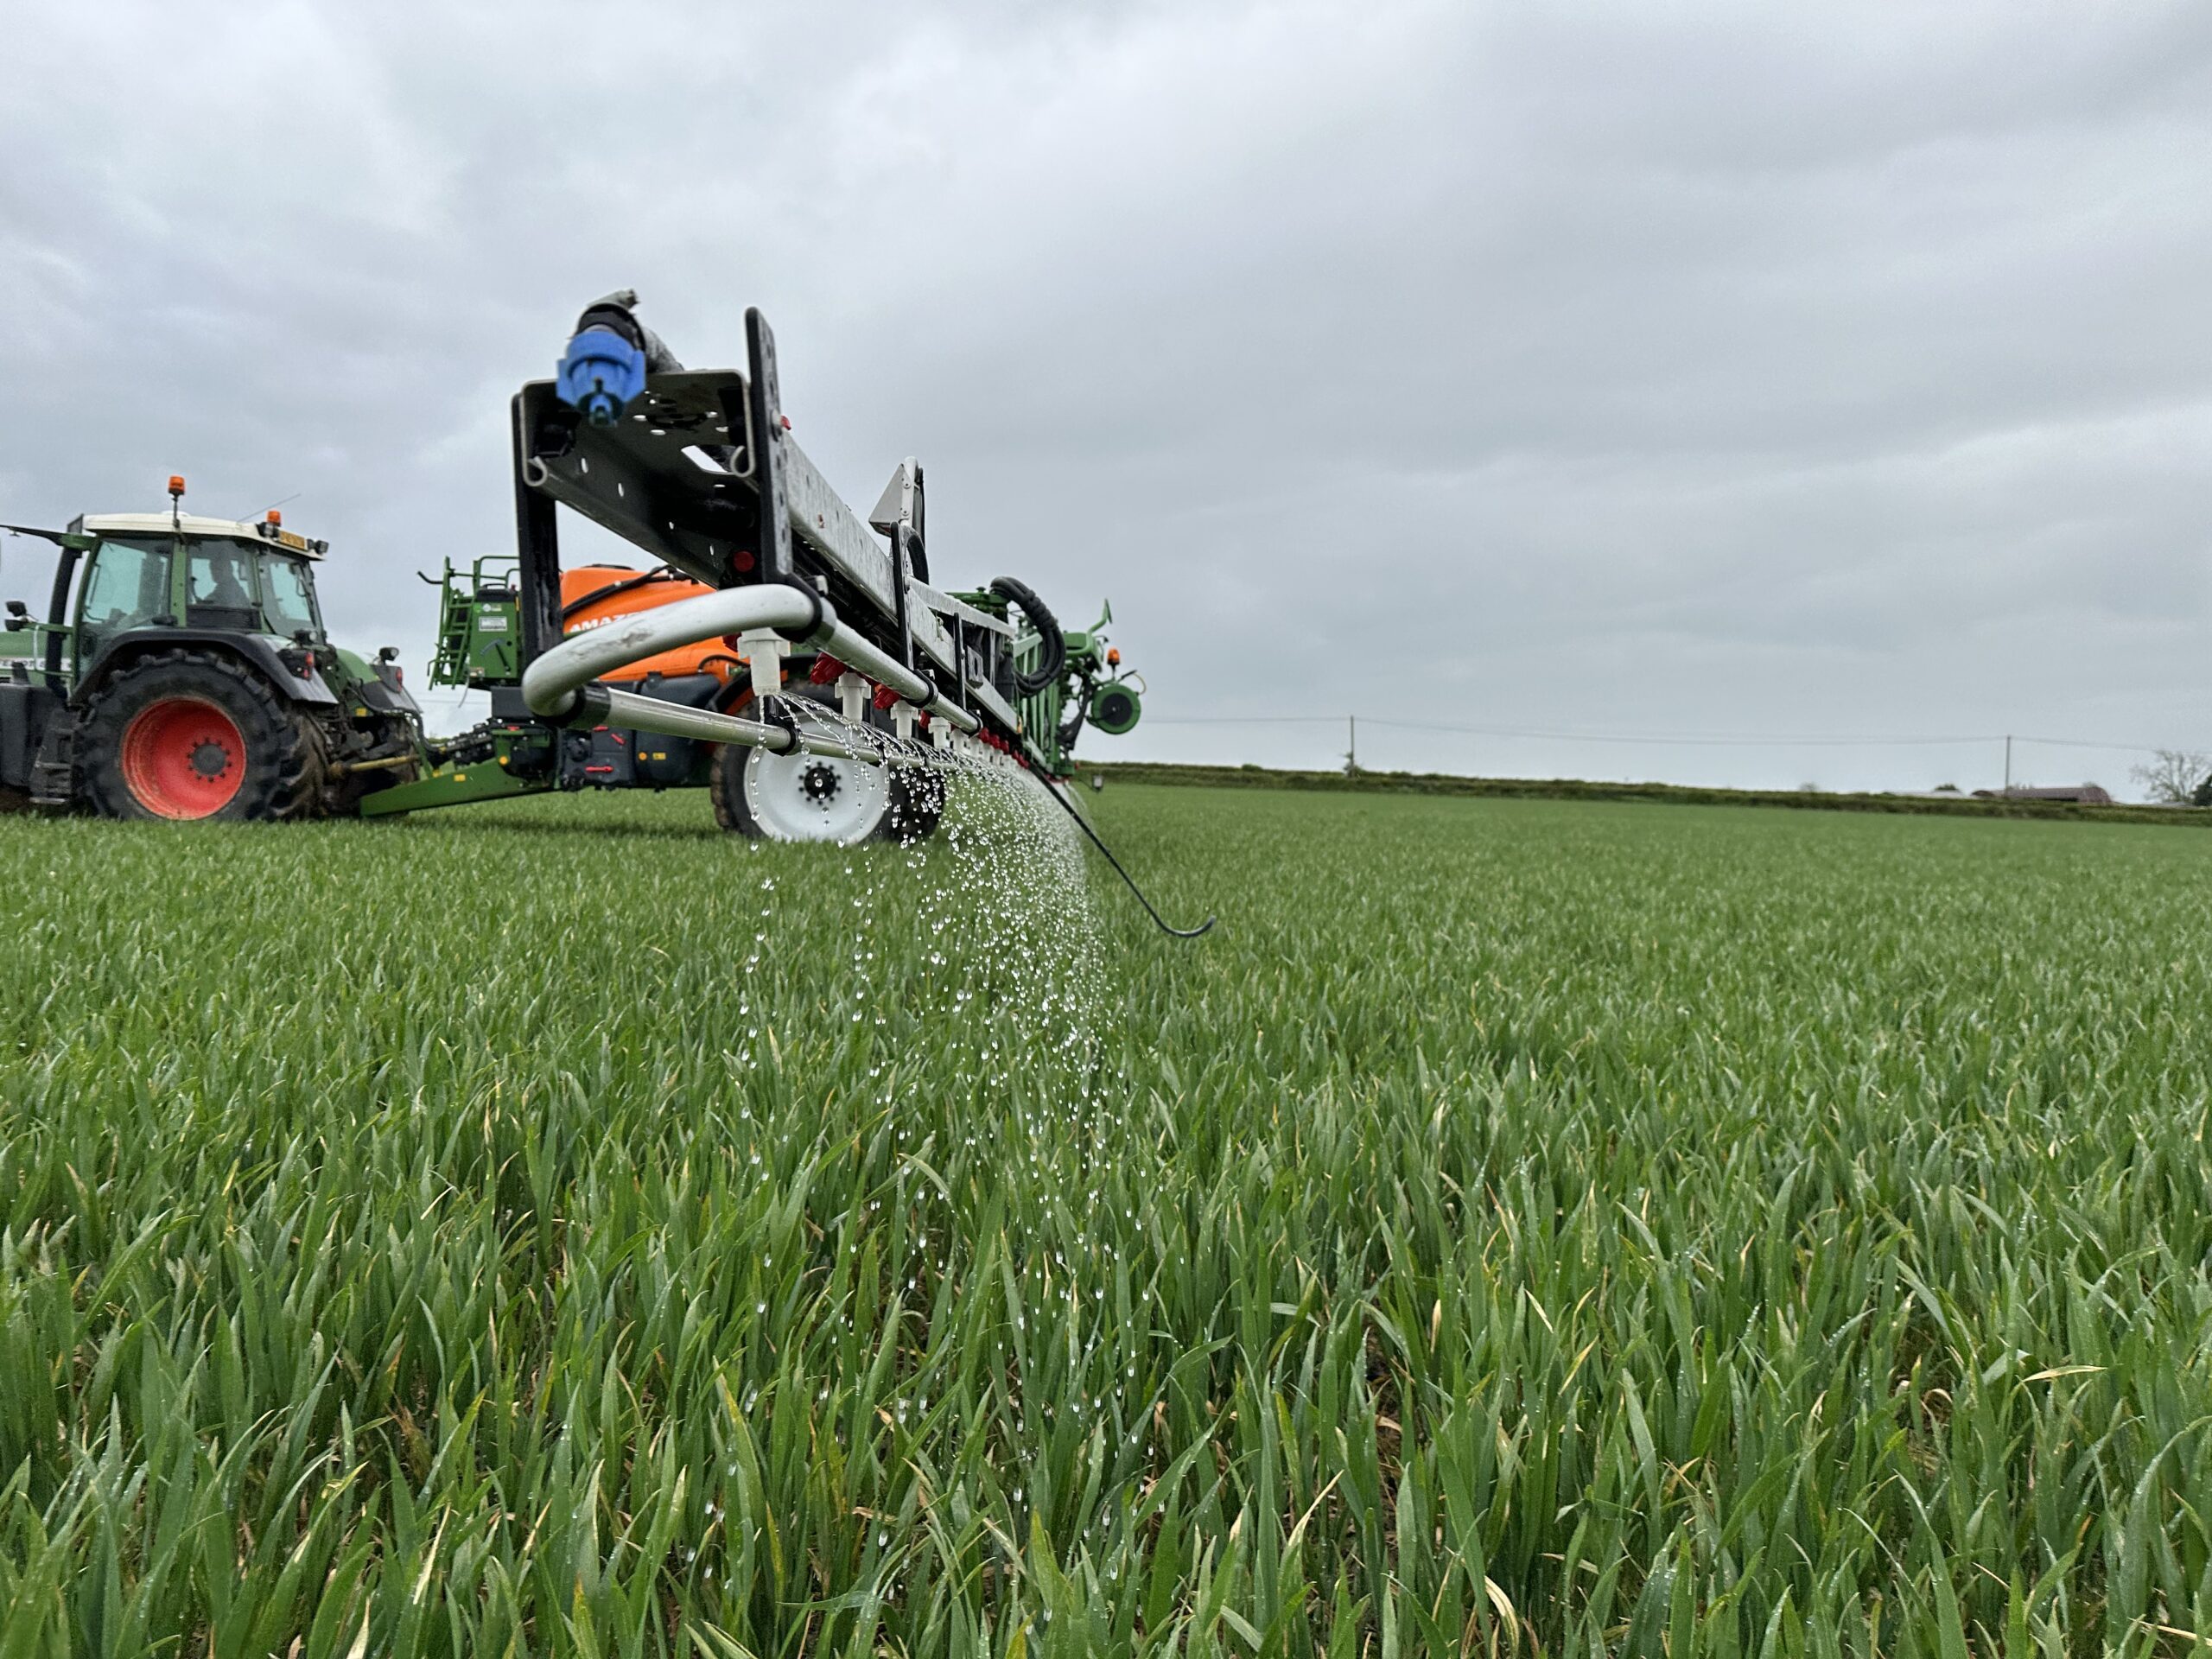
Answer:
[(2176, 777), (1946, 789)]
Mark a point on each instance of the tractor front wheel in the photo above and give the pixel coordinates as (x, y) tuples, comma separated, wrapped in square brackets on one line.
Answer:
[(193, 735)]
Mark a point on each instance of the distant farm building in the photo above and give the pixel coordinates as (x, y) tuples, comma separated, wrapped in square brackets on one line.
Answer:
[(2079, 794)]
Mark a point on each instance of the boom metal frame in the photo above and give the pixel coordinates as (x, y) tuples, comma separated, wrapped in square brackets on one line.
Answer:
[(698, 469)]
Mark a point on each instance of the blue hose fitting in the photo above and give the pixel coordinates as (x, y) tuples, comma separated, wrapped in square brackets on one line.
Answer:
[(600, 374)]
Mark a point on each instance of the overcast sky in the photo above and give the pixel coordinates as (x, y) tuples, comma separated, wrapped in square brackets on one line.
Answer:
[(1711, 371)]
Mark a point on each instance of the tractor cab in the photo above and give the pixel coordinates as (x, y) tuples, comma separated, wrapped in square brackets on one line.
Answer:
[(186, 572), (182, 671), (123, 576)]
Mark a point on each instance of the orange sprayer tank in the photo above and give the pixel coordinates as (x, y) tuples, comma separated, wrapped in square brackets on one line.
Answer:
[(593, 596)]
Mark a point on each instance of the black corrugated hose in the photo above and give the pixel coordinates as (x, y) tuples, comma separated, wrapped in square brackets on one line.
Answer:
[(1052, 660)]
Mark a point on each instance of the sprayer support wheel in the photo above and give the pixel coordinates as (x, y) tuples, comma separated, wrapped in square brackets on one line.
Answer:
[(801, 797)]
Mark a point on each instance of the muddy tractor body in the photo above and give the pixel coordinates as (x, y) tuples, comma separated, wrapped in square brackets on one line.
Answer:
[(182, 671)]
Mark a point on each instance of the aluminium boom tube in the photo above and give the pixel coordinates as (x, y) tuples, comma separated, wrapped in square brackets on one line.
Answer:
[(555, 685)]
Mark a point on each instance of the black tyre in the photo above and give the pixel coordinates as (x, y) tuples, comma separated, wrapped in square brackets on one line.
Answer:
[(195, 734), (916, 804)]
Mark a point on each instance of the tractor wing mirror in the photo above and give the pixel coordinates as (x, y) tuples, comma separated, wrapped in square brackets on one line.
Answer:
[(83, 543)]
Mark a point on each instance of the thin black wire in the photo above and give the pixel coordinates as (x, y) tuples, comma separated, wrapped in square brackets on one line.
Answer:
[(1664, 739), (1068, 807)]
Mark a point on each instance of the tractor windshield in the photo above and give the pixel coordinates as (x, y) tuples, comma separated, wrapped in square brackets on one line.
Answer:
[(219, 585), (287, 595), (129, 586)]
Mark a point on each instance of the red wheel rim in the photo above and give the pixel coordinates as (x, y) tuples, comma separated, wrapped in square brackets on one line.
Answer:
[(182, 758)]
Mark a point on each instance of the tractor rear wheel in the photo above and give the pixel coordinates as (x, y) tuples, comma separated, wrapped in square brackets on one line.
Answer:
[(194, 734)]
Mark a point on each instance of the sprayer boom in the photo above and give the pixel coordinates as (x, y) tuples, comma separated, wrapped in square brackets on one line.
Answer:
[(699, 469), (608, 677)]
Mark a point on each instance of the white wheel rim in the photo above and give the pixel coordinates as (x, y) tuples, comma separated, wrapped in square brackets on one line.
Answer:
[(815, 797)]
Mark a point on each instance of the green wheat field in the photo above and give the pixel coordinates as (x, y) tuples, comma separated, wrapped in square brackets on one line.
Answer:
[(1522, 1228)]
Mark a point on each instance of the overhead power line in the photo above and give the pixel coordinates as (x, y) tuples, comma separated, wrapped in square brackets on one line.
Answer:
[(1737, 739)]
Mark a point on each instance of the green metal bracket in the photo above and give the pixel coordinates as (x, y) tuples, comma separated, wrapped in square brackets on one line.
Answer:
[(486, 781)]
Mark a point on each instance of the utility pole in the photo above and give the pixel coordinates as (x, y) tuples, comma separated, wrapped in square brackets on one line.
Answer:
[(1352, 738), (2008, 763)]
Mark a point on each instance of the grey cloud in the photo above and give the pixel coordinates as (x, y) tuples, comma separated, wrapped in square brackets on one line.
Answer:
[(1688, 368)]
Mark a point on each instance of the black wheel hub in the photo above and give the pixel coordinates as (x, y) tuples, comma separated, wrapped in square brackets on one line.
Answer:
[(210, 760), (819, 782)]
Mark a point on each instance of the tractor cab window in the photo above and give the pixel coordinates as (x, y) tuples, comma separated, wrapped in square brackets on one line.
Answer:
[(128, 586), (219, 586), (287, 595)]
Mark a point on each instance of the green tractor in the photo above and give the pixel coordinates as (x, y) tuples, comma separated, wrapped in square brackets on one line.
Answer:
[(182, 672)]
